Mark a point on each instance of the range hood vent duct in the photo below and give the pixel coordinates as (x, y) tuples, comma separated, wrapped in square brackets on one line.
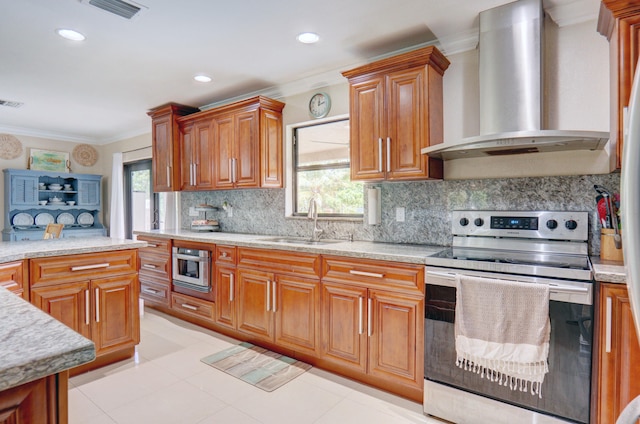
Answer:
[(511, 85), (121, 8)]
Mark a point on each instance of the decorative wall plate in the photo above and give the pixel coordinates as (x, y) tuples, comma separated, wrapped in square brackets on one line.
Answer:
[(23, 219), (10, 147), (44, 218), (85, 154), (85, 219), (65, 218)]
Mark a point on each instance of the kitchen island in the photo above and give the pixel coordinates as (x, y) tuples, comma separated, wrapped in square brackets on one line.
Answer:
[(36, 351)]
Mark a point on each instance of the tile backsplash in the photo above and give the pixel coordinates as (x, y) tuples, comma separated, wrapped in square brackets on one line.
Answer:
[(428, 206)]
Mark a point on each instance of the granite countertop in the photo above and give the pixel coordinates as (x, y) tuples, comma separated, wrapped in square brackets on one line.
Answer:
[(34, 345), (407, 253), (608, 271), (18, 250)]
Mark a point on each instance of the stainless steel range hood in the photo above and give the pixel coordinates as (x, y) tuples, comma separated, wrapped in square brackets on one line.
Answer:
[(511, 86)]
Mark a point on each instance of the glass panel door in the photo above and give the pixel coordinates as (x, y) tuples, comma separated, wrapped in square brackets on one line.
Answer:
[(141, 202)]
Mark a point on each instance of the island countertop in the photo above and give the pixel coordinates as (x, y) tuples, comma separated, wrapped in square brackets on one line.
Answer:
[(34, 345), (19, 250), (407, 253)]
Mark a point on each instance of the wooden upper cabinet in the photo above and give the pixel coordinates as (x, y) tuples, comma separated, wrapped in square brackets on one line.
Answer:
[(617, 364), (196, 149), (248, 144), (396, 110), (619, 21), (166, 148)]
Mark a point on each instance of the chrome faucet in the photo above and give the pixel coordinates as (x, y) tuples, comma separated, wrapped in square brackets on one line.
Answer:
[(313, 214)]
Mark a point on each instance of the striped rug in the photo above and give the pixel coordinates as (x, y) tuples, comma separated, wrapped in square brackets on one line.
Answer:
[(257, 366)]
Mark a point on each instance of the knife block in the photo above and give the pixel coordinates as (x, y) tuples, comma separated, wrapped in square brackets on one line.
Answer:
[(608, 249)]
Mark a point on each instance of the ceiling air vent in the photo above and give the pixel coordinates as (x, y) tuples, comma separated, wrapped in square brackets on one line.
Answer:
[(8, 103), (121, 8)]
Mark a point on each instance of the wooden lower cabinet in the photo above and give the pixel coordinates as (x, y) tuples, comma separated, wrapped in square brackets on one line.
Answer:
[(13, 278), (226, 297), (100, 301), (279, 308), (617, 355), (372, 331), (42, 401), (154, 271)]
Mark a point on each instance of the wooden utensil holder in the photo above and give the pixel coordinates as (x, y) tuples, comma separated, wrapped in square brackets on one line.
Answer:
[(608, 249)]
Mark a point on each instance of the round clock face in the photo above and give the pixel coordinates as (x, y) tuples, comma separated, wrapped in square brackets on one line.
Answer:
[(319, 105)]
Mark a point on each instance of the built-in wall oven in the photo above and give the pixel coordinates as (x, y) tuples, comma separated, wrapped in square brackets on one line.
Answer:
[(192, 272), (533, 247)]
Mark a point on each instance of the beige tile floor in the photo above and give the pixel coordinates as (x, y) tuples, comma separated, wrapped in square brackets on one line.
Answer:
[(167, 383)]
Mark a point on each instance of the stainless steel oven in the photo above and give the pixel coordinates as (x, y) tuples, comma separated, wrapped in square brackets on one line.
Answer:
[(533, 247), (191, 269)]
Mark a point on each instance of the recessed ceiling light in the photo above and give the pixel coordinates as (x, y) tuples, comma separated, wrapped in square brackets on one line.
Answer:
[(70, 34), (202, 78), (308, 37)]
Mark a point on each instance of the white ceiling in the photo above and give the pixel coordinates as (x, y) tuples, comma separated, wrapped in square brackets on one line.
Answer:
[(99, 90)]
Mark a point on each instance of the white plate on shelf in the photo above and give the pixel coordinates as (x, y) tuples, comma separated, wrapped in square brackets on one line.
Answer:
[(44, 218), (85, 219), (22, 219), (65, 218)]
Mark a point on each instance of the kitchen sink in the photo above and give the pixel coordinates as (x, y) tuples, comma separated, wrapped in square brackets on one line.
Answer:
[(294, 240)]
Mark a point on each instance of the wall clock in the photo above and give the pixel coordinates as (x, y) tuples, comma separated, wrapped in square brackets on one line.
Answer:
[(319, 105)]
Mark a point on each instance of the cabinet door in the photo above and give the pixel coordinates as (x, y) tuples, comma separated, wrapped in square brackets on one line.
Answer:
[(619, 353), (33, 402), (223, 150), (226, 297), (395, 322), (24, 190), (186, 157), (68, 303), (297, 306), (344, 309), (255, 298), (162, 154), (88, 193), (271, 149), (115, 323), (247, 150), (12, 278), (368, 129), (203, 165), (406, 125)]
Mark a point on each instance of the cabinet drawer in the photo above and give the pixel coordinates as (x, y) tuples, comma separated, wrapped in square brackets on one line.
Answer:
[(301, 264), (191, 306), (63, 269), (225, 255), (13, 279), (154, 292), (154, 266), (377, 274), (156, 246)]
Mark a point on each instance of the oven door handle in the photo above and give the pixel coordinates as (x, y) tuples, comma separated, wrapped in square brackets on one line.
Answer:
[(553, 288), (190, 257)]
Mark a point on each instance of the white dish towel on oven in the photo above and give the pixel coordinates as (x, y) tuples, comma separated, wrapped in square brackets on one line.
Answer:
[(502, 331)]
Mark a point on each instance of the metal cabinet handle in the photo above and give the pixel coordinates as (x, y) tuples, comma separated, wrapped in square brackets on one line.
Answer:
[(607, 337), (168, 175), (234, 170), (360, 324), (187, 306), (151, 245), (149, 266), (275, 303), (152, 291), (97, 305), (366, 274), (86, 307), (195, 174), (224, 255), (231, 287), (380, 154), (86, 267), (268, 295), (388, 154), (369, 313)]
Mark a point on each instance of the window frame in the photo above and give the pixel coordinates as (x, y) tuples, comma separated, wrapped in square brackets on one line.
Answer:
[(292, 171)]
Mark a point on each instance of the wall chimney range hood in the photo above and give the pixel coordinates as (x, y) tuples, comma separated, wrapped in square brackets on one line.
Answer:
[(511, 85)]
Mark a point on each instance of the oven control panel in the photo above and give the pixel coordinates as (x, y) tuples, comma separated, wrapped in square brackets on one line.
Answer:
[(550, 225)]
